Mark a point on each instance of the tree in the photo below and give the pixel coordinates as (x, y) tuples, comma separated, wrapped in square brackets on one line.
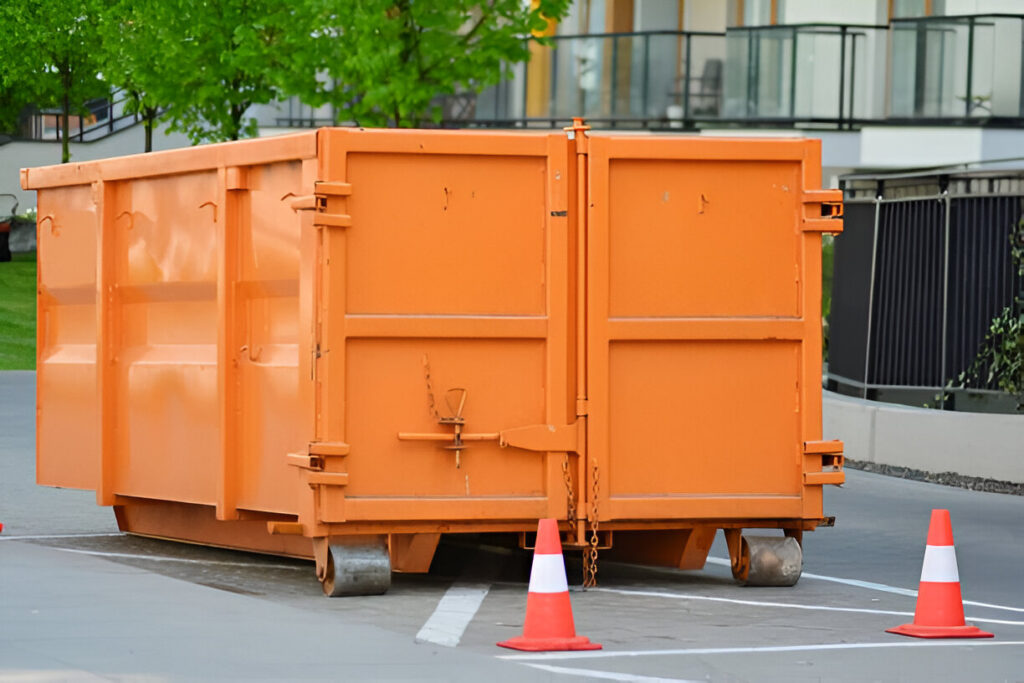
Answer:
[(51, 49), (131, 31), (211, 60), (391, 58)]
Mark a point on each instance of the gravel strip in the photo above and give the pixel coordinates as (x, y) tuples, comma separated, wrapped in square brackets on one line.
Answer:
[(944, 478)]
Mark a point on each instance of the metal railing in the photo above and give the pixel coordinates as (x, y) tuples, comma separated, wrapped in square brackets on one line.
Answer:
[(812, 73), (106, 116), (922, 268), (650, 79)]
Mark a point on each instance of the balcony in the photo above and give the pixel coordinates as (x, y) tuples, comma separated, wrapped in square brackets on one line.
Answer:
[(651, 79), (930, 71), (962, 69), (812, 74)]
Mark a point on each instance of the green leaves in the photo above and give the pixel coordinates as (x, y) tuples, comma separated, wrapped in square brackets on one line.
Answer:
[(392, 58), (205, 63), (209, 62), (50, 54), (1000, 359)]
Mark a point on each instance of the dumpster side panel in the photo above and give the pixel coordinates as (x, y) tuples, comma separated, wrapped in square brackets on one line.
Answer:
[(453, 275), (178, 274), (699, 306), (272, 421), (67, 448)]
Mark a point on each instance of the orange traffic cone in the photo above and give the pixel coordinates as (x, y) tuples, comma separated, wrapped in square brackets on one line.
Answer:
[(940, 609), (549, 625)]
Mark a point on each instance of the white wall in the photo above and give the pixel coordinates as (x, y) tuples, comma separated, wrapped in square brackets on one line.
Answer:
[(25, 154), (908, 147), (833, 12), (704, 15), (655, 15), (959, 7)]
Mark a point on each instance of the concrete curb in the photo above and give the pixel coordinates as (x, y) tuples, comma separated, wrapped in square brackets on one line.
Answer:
[(981, 445)]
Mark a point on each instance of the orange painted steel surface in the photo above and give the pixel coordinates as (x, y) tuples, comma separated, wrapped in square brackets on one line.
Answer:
[(348, 332)]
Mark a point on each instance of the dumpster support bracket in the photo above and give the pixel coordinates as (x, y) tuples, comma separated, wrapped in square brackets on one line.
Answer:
[(832, 461)]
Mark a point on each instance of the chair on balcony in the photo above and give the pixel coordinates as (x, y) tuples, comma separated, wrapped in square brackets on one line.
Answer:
[(706, 90), (703, 92)]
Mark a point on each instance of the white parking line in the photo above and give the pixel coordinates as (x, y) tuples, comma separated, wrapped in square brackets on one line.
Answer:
[(456, 609), (870, 585), (607, 675), (786, 605), (40, 537), (186, 560), (597, 654)]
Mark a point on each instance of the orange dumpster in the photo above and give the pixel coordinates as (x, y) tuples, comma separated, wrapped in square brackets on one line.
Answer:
[(344, 343)]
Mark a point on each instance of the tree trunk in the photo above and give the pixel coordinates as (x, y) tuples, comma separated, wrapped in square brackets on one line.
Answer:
[(149, 117), (65, 122), (236, 121)]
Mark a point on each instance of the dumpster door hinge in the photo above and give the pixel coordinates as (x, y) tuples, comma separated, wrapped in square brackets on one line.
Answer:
[(543, 438), (318, 202), (823, 211), (316, 453), (832, 461)]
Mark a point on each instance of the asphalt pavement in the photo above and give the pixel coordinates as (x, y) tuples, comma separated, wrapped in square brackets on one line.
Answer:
[(79, 601)]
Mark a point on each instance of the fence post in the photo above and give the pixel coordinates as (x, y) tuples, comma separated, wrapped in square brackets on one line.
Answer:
[(945, 297), (871, 292)]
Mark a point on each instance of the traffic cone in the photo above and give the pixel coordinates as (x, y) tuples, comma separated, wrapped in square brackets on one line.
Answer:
[(549, 625), (940, 609)]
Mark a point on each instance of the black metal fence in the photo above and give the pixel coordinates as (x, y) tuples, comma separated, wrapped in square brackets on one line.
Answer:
[(923, 267)]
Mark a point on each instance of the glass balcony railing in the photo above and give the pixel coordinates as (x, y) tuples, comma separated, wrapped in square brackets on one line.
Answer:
[(935, 71), (811, 73), (651, 79), (957, 67)]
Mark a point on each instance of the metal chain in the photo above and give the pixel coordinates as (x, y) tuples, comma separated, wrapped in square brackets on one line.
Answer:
[(570, 497), (590, 554), (431, 402)]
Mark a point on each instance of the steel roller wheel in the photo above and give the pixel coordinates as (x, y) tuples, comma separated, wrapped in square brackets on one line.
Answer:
[(769, 561), (357, 570)]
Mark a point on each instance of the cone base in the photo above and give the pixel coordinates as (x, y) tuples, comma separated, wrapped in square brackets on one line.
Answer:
[(549, 644), (915, 631)]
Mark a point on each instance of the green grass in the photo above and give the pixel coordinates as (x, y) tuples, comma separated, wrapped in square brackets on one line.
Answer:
[(18, 313)]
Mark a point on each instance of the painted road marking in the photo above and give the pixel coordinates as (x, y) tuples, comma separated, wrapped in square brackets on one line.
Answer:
[(596, 654), (186, 560), (761, 603), (607, 675), (47, 536), (870, 585), (456, 609)]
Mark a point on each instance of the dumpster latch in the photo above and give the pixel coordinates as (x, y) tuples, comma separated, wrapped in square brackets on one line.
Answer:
[(455, 399)]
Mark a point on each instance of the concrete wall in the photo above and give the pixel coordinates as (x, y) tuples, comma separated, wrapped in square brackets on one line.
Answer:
[(973, 444), (24, 154)]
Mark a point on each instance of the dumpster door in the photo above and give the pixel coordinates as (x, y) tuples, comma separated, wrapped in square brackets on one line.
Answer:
[(704, 356), (443, 307)]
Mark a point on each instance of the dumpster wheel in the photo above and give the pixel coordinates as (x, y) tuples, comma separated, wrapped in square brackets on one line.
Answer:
[(766, 560), (357, 570)]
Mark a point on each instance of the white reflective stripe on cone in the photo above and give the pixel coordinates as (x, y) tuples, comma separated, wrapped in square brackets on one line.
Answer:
[(939, 564), (548, 575)]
